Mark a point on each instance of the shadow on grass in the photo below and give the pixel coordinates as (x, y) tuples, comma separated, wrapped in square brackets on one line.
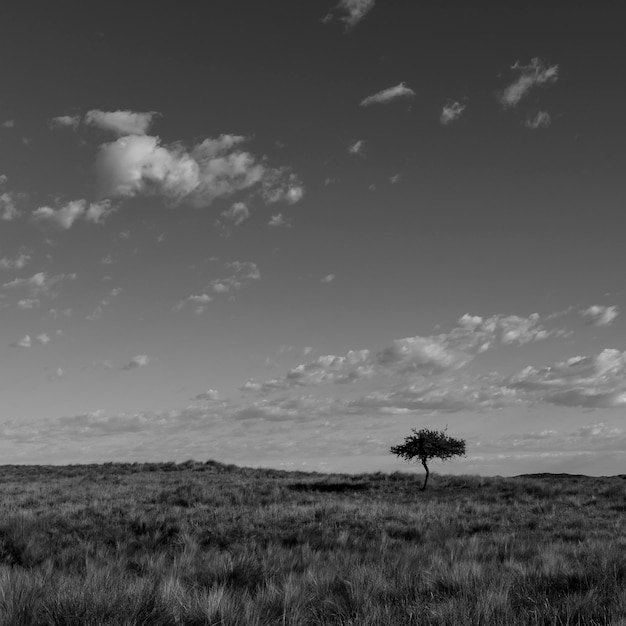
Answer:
[(327, 487)]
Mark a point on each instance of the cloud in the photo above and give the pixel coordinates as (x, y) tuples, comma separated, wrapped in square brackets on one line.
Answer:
[(28, 303), (597, 381), (328, 368), (43, 339), (329, 278), (210, 395), (529, 76), (8, 124), (137, 361), (39, 284), (65, 216), (201, 301), (388, 95), (421, 356), (357, 148), (215, 168), (281, 185), (451, 111), (541, 120), (445, 396), (352, 11), (241, 274), (121, 122), (237, 213), (9, 206), (598, 315), (64, 121), (24, 342), (17, 263), (279, 221)]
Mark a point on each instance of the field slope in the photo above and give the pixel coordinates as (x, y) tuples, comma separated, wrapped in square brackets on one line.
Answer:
[(206, 543)]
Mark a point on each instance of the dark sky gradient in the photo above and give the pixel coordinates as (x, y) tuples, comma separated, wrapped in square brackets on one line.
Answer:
[(482, 216)]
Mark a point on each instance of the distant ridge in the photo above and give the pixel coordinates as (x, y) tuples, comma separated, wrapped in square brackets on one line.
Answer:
[(565, 475)]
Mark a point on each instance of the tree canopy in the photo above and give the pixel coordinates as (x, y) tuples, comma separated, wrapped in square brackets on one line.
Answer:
[(426, 444)]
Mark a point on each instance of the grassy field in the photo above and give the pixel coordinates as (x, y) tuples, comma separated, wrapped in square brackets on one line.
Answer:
[(205, 543)]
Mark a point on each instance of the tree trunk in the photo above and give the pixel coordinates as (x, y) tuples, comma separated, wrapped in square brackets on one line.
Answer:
[(427, 472)]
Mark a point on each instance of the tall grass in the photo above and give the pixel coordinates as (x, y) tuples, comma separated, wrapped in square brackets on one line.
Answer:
[(211, 544)]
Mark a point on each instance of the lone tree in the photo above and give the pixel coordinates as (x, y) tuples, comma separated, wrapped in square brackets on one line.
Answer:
[(425, 444)]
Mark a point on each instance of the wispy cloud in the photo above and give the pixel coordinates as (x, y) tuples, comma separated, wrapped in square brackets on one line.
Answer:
[(39, 284), (121, 122), (214, 168), (24, 342), (423, 356), (28, 303), (63, 217), (241, 273), (598, 315), (388, 95), (43, 339), (10, 202), (357, 148), (351, 12), (534, 74), (451, 111), (541, 120), (64, 121), (597, 381), (17, 263), (140, 360), (329, 278), (210, 395), (279, 221), (237, 213)]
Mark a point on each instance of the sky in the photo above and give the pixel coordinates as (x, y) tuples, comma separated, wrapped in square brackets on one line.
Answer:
[(286, 233)]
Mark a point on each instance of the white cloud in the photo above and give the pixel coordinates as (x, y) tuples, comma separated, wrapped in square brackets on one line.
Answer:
[(136, 165), (388, 95), (598, 315), (444, 396), (141, 165), (422, 355), (357, 148), (8, 124), (137, 361), (281, 185), (201, 301), (39, 283), (329, 278), (531, 75), (43, 339), (121, 122), (9, 209), (241, 274), (65, 121), (55, 374), (597, 381), (237, 213), (210, 395), (279, 221), (17, 263), (451, 111), (65, 216), (541, 120), (24, 342), (418, 356), (28, 303), (352, 11)]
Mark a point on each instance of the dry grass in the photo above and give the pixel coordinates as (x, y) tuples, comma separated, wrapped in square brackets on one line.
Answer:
[(198, 543)]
